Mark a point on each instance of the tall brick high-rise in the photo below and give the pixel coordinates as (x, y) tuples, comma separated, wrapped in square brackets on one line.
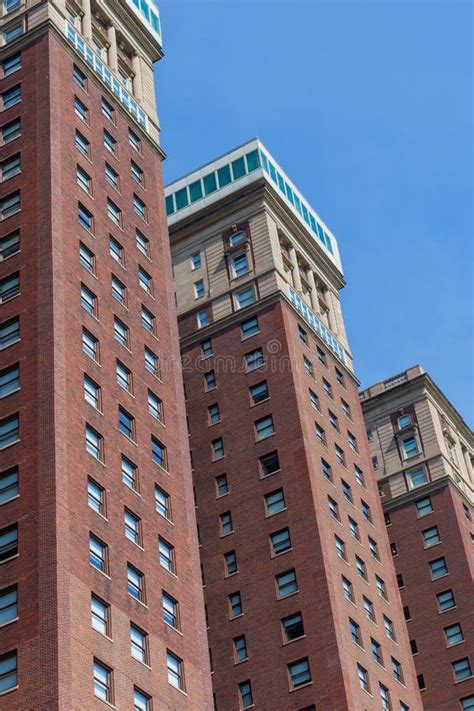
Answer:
[(423, 454), (100, 591), (302, 603)]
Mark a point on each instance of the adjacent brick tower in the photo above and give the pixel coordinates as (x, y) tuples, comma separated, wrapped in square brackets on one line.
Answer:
[(100, 592), (423, 453), (302, 603)]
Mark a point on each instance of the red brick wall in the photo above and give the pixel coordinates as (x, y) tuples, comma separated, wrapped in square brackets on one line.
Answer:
[(53, 501), (427, 623), (327, 642)]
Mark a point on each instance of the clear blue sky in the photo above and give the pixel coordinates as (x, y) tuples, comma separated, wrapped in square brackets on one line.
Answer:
[(368, 107)]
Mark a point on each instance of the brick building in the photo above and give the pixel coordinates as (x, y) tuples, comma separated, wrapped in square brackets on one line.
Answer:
[(100, 591), (302, 602), (423, 453)]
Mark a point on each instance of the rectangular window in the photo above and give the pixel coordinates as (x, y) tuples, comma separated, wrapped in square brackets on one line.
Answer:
[(10, 167), (121, 333), (199, 290), (264, 427), (107, 110), (85, 218), (374, 549), (110, 143), (303, 336), (368, 609), (385, 698), (327, 388), (134, 141), (138, 644), (79, 77), (366, 511), (345, 408), (359, 475), (286, 583), (170, 610), (340, 456), (114, 212), (166, 555), (453, 634), (11, 65), (333, 420), (352, 441), (11, 97), (280, 541), (83, 180), (8, 485), (100, 615), (355, 632), (222, 485), (9, 380), (88, 301), (409, 446), (94, 443), (326, 469), (123, 376), (354, 528), (145, 280), (346, 490), (217, 448), (87, 258), (158, 453), (9, 245), (83, 145), (245, 692), (81, 110), (139, 207), (424, 506), (102, 681), (293, 627), (361, 568), (155, 406), (196, 260), (162, 502), (230, 562), (249, 327), (96, 496), (126, 423), (111, 176), (10, 205), (13, 32), (119, 291), (240, 266), (299, 673), (136, 173), (129, 473), (333, 508), (381, 587), (363, 678), (445, 600), (133, 527), (8, 542), (308, 366), (148, 321), (348, 589), (340, 548), (135, 583), (462, 669), (269, 463), (90, 345), (11, 130), (8, 608), (9, 431), (417, 478), (143, 244), (175, 671), (320, 434), (438, 568), (376, 651), (9, 332), (274, 502), (8, 671), (151, 362), (98, 554), (116, 250), (213, 414), (202, 319), (388, 627), (254, 359), (431, 536), (235, 604), (240, 649), (314, 399)]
